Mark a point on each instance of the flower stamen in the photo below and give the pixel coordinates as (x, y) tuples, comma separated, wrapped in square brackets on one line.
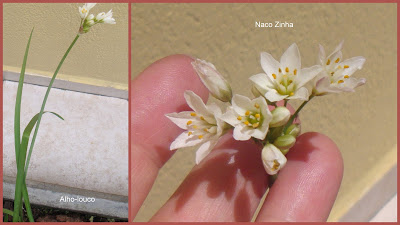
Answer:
[(274, 76), (193, 114), (247, 113), (340, 81), (328, 62), (346, 76), (189, 122), (287, 70), (294, 71), (337, 60), (239, 118), (257, 105), (345, 66)]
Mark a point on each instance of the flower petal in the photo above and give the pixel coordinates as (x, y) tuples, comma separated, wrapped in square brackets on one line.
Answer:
[(321, 55), (230, 117), (301, 94), (241, 132), (241, 104), (354, 64), (337, 52), (291, 58), (197, 104), (262, 82), (273, 96), (269, 64), (180, 119), (307, 74), (184, 140), (204, 150)]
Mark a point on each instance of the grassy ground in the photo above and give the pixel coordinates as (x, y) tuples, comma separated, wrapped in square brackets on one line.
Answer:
[(47, 214)]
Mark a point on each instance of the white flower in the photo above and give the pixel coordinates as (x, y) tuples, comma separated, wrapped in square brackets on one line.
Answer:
[(284, 79), (336, 75), (213, 80), (203, 126), (249, 117), (105, 17), (273, 159), (84, 10)]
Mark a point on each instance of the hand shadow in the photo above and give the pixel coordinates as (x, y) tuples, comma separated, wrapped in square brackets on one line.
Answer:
[(220, 170)]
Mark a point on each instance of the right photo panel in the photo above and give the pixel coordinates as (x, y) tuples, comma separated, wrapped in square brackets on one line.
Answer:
[(263, 112)]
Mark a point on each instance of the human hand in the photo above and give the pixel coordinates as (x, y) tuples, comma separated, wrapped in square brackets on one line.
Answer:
[(230, 182)]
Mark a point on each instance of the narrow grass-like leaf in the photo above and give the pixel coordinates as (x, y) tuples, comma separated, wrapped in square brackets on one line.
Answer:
[(46, 96), (8, 212), (30, 152), (19, 186), (17, 115)]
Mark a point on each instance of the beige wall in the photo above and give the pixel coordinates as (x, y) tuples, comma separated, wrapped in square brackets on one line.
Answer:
[(99, 57), (363, 124)]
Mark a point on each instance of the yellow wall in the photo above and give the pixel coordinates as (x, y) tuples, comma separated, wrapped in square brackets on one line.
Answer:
[(363, 124), (99, 57)]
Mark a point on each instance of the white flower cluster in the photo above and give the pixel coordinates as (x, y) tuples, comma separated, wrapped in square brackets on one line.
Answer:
[(260, 118), (89, 20)]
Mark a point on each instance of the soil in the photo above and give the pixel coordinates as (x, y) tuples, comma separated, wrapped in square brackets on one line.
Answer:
[(47, 214)]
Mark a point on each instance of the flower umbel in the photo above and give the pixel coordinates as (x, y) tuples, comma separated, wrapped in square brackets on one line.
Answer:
[(203, 126), (284, 79), (336, 75), (250, 118), (87, 21)]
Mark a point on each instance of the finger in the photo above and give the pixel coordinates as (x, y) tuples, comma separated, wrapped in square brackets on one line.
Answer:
[(226, 186), (306, 187), (156, 91)]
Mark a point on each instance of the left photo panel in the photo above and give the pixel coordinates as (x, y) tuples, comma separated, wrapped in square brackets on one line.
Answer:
[(65, 112)]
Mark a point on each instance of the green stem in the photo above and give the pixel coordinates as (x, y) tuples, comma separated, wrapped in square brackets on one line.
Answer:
[(295, 114), (45, 100)]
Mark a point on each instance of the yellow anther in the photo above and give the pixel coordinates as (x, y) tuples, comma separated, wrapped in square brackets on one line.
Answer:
[(295, 71), (276, 165), (205, 129), (246, 122), (194, 127), (332, 73), (328, 62), (274, 76), (280, 71), (346, 76), (346, 66), (337, 60), (200, 136), (247, 113), (290, 81), (202, 118), (331, 82), (193, 114), (255, 125), (340, 81), (190, 133), (257, 105), (287, 70), (291, 94), (257, 115), (239, 118), (189, 122)]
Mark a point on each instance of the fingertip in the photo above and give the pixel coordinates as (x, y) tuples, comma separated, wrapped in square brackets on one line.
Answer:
[(307, 186)]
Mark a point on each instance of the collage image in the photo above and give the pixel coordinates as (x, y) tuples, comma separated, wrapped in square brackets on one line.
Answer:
[(200, 111)]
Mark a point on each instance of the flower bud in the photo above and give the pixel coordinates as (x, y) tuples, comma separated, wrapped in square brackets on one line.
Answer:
[(273, 159), (213, 80), (294, 130), (285, 141), (280, 116)]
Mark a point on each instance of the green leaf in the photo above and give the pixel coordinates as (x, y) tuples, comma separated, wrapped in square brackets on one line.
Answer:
[(8, 212), (20, 184), (17, 118)]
